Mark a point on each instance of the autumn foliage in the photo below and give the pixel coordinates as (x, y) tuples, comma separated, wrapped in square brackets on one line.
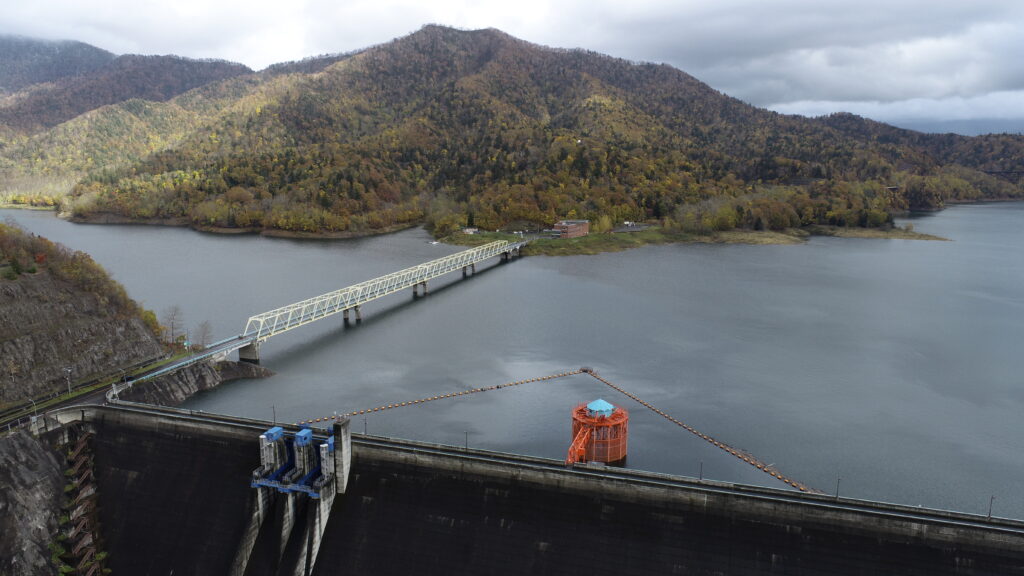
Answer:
[(24, 253), (447, 128)]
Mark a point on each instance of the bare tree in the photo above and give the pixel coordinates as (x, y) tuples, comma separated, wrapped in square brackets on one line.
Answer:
[(172, 320), (203, 334)]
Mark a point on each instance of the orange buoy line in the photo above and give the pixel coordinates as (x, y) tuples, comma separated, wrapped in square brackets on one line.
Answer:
[(749, 459), (440, 397), (722, 445)]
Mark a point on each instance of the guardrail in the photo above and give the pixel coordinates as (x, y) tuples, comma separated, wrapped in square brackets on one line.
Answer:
[(18, 415)]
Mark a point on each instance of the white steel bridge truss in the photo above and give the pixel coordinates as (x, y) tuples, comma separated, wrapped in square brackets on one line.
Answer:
[(267, 324)]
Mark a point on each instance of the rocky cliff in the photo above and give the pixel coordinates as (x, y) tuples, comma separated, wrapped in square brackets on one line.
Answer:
[(32, 478), (175, 388), (47, 325)]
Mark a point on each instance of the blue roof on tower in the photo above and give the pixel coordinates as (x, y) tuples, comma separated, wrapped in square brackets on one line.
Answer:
[(600, 408)]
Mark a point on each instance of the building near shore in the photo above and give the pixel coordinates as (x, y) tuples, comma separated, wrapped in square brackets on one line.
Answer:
[(572, 228)]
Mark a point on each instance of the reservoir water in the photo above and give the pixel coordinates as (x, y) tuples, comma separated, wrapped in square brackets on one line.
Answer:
[(891, 366)]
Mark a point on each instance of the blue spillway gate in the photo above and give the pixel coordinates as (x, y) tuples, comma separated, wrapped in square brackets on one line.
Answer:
[(292, 464)]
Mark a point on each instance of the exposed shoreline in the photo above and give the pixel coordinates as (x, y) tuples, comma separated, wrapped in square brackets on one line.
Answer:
[(107, 218), (620, 241), (593, 244)]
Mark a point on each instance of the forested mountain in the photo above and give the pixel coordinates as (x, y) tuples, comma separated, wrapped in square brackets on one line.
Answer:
[(454, 127), (153, 78), (26, 61)]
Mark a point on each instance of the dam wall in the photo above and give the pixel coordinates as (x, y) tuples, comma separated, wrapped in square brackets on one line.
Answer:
[(174, 496), (463, 514)]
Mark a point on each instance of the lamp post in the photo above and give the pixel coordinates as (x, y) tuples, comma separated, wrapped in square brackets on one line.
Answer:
[(67, 376)]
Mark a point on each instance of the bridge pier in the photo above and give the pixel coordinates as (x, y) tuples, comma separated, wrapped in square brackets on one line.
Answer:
[(359, 314), (250, 353), (471, 267), (415, 288)]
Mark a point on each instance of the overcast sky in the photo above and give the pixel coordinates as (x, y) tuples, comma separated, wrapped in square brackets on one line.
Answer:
[(885, 59)]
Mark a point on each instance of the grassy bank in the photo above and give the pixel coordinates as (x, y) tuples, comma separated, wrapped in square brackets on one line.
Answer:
[(617, 242), (894, 233), (11, 205)]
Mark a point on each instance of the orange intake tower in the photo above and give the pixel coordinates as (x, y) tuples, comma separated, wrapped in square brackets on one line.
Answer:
[(600, 432)]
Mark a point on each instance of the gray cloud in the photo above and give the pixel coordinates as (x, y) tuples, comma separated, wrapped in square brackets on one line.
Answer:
[(774, 53), (982, 107), (947, 59)]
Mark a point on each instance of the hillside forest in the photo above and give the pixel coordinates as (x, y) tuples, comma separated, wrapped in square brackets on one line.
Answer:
[(24, 253), (452, 128)]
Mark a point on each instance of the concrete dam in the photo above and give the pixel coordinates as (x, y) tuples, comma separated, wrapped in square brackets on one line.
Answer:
[(178, 492)]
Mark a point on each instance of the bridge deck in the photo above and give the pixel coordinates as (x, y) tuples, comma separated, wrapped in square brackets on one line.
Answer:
[(263, 326)]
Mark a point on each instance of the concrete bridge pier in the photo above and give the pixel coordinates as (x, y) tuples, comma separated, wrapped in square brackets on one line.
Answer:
[(416, 287), (250, 353), (359, 315), (471, 268)]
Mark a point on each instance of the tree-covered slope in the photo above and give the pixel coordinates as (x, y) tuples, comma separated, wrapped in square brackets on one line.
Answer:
[(154, 78), (454, 127), (28, 61), (41, 168)]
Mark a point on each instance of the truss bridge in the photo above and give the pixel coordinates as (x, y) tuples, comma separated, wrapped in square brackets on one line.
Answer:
[(348, 300)]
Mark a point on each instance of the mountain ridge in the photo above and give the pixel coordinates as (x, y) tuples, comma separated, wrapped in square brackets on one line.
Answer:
[(25, 61), (154, 78), (450, 127)]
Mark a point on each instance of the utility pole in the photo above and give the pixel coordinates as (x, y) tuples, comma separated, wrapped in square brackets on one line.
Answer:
[(67, 376)]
